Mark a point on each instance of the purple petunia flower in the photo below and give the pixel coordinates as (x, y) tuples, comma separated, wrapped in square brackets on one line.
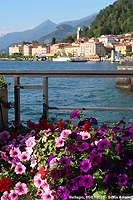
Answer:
[(55, 174), (66, 171), (127, 133), (104, 127), (116, 129), (62, 193), (105, 164), (122, 180), (65, 161), (4, 135), (93, 121), (72, 148), (87, 181), (85, 165), (21, 188), (109, 179), (100, 133), (95, 157), (119, 148), (83, 146), (74, 115), (103, 144)]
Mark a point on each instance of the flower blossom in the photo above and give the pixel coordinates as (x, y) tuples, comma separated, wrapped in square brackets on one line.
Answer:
[(37, 180), (63, 193), (20, 168), (85, 165), (21, 188), (85, 135), (47, 196), (65, 132), (59, 141), (103, 144), (13, 195), (24, 156), (15, 152), (30, 142)]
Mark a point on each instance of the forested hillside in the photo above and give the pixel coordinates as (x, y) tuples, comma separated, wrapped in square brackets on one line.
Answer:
[(118, 18)]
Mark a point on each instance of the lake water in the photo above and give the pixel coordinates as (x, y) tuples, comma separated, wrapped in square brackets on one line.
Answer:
[(82, 92)]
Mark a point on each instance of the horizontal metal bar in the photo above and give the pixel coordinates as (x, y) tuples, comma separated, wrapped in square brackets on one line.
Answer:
[(67, 73), (30, 86), (91, 108)]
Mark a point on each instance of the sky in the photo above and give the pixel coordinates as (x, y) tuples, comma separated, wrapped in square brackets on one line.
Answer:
[(21, 15)]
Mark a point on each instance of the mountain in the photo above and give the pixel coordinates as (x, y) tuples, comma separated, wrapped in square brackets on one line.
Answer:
[(28, 35), (59, 33), (67, 28), (86, 21), (45, 31)]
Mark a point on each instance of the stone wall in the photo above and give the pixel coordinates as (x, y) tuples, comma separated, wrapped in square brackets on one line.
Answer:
[(126, 83)]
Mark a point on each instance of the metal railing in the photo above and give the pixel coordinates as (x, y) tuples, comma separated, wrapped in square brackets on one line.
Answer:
[(45, 74)]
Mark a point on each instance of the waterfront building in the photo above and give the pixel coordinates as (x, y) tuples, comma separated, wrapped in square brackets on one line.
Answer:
[(58, 48), (27, 50), (123, 48), (72, 50), (79, 33), (92, 48), (16, 49), (105, 39)]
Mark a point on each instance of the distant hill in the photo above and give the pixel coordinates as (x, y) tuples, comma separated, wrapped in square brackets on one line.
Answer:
[(59, 33), (86, 21), (29, 35), (116, 18)]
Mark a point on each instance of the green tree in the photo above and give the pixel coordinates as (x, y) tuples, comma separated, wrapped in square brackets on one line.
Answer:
[(53, 41), (34, 41)]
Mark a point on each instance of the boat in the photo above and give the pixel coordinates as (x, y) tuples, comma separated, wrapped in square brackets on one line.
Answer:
[(78, 59), (61, 59)]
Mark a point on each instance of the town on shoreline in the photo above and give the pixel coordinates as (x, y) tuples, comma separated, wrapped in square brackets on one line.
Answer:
[(104, 48)]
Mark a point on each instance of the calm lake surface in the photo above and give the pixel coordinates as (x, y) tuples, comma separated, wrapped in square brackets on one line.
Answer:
[(83, 92)]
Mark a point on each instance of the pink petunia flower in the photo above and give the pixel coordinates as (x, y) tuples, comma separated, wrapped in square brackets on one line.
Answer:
[(85, 135), (39, 192), (45, 185), (24, 156), (31, 142), (65, 132), (5, 196), (20, 168), (47, 196), (59, 141), (15, 152), (13, 195), (53, 161), (21, 188), (37, 180)]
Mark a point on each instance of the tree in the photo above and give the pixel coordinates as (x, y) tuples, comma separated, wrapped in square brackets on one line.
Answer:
[(53, 41), (34, 41)]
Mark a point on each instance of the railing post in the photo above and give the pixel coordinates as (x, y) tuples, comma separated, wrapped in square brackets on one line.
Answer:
[(45, 97), (17, 98)]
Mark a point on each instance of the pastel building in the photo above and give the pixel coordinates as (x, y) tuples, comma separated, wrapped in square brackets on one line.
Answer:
[(105, 39), (92, 48), (16, 49), (123, 48)]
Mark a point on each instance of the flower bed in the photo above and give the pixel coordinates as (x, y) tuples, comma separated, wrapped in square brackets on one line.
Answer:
[(63, 160)]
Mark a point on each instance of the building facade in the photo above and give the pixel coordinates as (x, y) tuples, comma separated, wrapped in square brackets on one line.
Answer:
[(92, 48)]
